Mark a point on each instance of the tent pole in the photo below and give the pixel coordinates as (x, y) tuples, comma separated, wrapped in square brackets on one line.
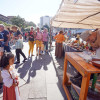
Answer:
[(50, 38)]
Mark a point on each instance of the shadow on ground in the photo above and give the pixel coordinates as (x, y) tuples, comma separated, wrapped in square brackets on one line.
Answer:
[(31, 66)]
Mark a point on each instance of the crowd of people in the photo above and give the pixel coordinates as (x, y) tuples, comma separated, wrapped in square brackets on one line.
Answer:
[(8, 75), (38, 37)]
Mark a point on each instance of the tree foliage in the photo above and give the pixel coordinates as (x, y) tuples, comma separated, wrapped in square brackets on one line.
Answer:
[(46, 26), (18, 21), (4, 23), (30, 24)]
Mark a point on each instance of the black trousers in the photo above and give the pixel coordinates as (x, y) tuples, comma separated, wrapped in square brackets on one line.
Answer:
[(18, 52)]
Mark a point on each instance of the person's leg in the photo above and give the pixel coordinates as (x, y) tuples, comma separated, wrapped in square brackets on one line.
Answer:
[(40, 44), (25, 38), (36, 47), (59, 50), (20, 50), (46, 46), (18, 55), (7, 48), (56, 50), (32, 47), (42, 47)]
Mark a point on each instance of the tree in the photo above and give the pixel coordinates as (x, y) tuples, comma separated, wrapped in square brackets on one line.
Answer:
[(4, 23), (18, 21), (30, 24), (46, 26)]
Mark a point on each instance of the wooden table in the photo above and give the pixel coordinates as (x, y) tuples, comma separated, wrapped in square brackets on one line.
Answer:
[(83, 68)]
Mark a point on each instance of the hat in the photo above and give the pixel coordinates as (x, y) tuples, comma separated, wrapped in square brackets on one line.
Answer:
[(85, 35)]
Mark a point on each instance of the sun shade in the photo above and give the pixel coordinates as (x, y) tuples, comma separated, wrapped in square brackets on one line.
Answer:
[(78, 14)]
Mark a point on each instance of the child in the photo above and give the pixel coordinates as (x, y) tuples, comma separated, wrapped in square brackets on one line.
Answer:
[(18, 44), (10, 78), (19, 47)]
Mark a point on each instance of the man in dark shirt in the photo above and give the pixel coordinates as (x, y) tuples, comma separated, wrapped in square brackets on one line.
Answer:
[(1, 40), (6, 37), (1, 45)]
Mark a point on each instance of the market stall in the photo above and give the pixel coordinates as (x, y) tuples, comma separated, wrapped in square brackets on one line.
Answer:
[(85, 69), (83, 14)]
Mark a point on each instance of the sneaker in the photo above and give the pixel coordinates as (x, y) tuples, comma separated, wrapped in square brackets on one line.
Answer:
[(28, 56), (24, 59), (17, 62)]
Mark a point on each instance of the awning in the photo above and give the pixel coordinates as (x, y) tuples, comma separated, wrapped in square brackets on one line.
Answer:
[(78, 14)]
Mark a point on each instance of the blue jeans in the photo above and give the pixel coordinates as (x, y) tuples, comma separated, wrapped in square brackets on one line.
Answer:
[(7, 48), (46, 45)]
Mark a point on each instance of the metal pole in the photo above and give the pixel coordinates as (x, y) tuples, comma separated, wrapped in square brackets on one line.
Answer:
[(50, 38)]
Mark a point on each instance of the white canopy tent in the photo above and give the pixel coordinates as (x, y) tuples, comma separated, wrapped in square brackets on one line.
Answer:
[(78, 14)]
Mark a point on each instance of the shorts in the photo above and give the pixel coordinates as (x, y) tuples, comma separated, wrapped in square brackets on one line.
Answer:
[(38, 43)]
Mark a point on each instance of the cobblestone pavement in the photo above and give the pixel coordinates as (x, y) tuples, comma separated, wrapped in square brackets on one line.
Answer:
[(39, 77)]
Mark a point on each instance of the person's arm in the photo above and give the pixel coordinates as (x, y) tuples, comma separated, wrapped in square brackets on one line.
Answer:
[(55, 37), (8, 36), (7, 80), (1, 39), (94, 45), (30, 36), (34, 34), (20, 36), (63, 38), (97, 42)]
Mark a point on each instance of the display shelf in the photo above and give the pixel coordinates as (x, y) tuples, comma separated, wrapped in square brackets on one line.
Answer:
[(73, 92)]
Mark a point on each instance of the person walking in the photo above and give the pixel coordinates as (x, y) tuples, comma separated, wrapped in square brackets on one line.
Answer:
[(6, 38), (59, 47), (31, 41), (38, 41), (18, 44), (45, 39)]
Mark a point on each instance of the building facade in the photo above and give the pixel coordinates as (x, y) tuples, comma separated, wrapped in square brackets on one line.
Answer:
[(44, 20), (6, 19)]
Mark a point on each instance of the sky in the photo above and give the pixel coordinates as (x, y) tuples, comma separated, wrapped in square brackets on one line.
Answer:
[(31, 10)]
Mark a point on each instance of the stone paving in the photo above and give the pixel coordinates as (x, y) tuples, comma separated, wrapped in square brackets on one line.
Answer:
[(39, 77)]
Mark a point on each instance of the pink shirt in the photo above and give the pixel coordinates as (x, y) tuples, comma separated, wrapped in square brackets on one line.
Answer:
[(39, 36), (45, 36)]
